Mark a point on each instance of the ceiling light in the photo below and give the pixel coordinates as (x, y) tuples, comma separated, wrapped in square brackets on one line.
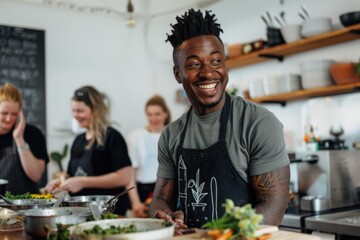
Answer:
[(130, 21)]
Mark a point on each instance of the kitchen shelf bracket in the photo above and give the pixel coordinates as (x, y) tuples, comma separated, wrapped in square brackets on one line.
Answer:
[(278, 57), (282, 103), (355, 31)]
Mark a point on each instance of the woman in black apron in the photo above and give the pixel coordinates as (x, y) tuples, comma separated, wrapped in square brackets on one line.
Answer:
[(23, 154), (99, 162)]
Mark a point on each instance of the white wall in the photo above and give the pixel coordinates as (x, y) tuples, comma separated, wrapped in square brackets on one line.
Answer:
[(130, 65)]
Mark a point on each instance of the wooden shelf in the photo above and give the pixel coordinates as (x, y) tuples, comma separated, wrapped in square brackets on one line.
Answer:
[(309, 93), (314, 42)]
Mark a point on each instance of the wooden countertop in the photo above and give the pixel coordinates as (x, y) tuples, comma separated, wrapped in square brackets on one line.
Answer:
[(279, 235)]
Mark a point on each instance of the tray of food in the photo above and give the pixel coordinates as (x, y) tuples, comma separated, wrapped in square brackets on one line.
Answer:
[(123, 228), (27, 201)]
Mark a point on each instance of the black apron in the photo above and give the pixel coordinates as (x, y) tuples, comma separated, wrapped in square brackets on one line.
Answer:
[(12, 170), (206, 177)]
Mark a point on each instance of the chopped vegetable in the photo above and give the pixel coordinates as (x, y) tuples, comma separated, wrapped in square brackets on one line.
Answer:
[(236, 223), (27, 196)]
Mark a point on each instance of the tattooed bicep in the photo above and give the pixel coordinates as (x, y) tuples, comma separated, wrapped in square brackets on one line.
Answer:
[(274, 180)]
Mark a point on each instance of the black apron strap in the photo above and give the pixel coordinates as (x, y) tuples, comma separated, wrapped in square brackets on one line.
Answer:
[(224, 117), (185, 127)]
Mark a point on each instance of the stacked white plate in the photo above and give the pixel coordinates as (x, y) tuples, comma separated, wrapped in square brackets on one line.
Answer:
[(256, 88), (315, 74), (281, 84)]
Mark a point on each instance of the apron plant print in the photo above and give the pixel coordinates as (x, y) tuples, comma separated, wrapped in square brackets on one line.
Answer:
[(197, 193)]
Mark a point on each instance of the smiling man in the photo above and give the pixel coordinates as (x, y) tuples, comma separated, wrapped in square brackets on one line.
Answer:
[(224, 146)]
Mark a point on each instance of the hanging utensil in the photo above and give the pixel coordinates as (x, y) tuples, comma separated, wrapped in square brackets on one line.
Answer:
[(278, 21), (305, 11), (302, 16), (60, 200), (94, 207), (270, 19), (8, 201), (282, 16), (109, 205), (264, 20)]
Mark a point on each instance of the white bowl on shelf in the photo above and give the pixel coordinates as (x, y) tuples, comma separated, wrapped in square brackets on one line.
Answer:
[(290, 82), (316, 73), (315, 26), (291, 33)]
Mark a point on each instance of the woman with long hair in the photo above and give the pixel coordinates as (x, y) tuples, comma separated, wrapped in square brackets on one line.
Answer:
[(99, 162)]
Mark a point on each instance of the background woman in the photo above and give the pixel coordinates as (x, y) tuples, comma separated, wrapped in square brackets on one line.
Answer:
[(99, 162), (23, 154), (142, 145)]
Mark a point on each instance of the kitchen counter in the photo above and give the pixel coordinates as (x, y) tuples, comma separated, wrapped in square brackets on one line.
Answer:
[(279, 235)]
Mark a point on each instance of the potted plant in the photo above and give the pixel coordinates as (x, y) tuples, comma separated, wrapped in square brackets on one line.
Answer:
[(58, 157), (345, 73)]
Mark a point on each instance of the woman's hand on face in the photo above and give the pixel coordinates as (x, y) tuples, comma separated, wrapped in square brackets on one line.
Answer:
[(19, 127), (73, 184)]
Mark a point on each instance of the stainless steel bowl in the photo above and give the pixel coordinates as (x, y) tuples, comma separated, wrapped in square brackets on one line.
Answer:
[(85, 201), (38, 220), (24, 204)]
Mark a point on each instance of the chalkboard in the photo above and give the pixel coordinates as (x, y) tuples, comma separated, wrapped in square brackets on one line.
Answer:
[(22, 63)]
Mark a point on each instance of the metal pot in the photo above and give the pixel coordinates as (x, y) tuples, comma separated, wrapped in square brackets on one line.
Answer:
[(3, 184), (37, 220), (24, 204), (85, 201)]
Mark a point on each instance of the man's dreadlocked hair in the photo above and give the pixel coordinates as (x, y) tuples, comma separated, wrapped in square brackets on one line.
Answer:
[(193, 24)]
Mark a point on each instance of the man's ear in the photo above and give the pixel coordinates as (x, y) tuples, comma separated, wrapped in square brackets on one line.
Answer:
[(177, 74)]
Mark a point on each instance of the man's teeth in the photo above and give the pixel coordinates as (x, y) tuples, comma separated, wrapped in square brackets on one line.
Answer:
[(208, 86)]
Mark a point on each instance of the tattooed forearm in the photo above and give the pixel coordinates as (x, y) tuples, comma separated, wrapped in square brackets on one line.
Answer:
[(164, 196), (272, 194)]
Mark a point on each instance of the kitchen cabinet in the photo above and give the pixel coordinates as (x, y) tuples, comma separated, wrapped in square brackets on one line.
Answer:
[(281, 51)]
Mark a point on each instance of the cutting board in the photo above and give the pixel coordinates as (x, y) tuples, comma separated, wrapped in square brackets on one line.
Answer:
[(279, 235)]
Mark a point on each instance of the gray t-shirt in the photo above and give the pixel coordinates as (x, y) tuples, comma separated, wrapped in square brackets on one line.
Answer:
[(254, 136)]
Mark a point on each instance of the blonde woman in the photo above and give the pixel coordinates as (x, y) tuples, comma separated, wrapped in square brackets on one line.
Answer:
[(142, 145), (99, 162), (23, 154)]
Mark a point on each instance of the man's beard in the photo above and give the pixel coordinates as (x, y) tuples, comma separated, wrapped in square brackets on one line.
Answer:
[(213, 104)]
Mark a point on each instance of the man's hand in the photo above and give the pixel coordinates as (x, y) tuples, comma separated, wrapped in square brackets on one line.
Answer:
[(176, 217)]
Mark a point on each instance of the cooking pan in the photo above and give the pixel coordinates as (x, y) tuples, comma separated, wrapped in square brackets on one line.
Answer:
[(24, 204), (40, 219), (85, 201)]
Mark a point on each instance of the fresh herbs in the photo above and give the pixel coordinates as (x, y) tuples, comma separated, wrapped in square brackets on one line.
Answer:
[(27, 195), (236, 223), (17, 196)]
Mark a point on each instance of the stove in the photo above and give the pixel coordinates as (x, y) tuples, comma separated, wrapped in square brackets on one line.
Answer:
[(340, 223), (335, 221)]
